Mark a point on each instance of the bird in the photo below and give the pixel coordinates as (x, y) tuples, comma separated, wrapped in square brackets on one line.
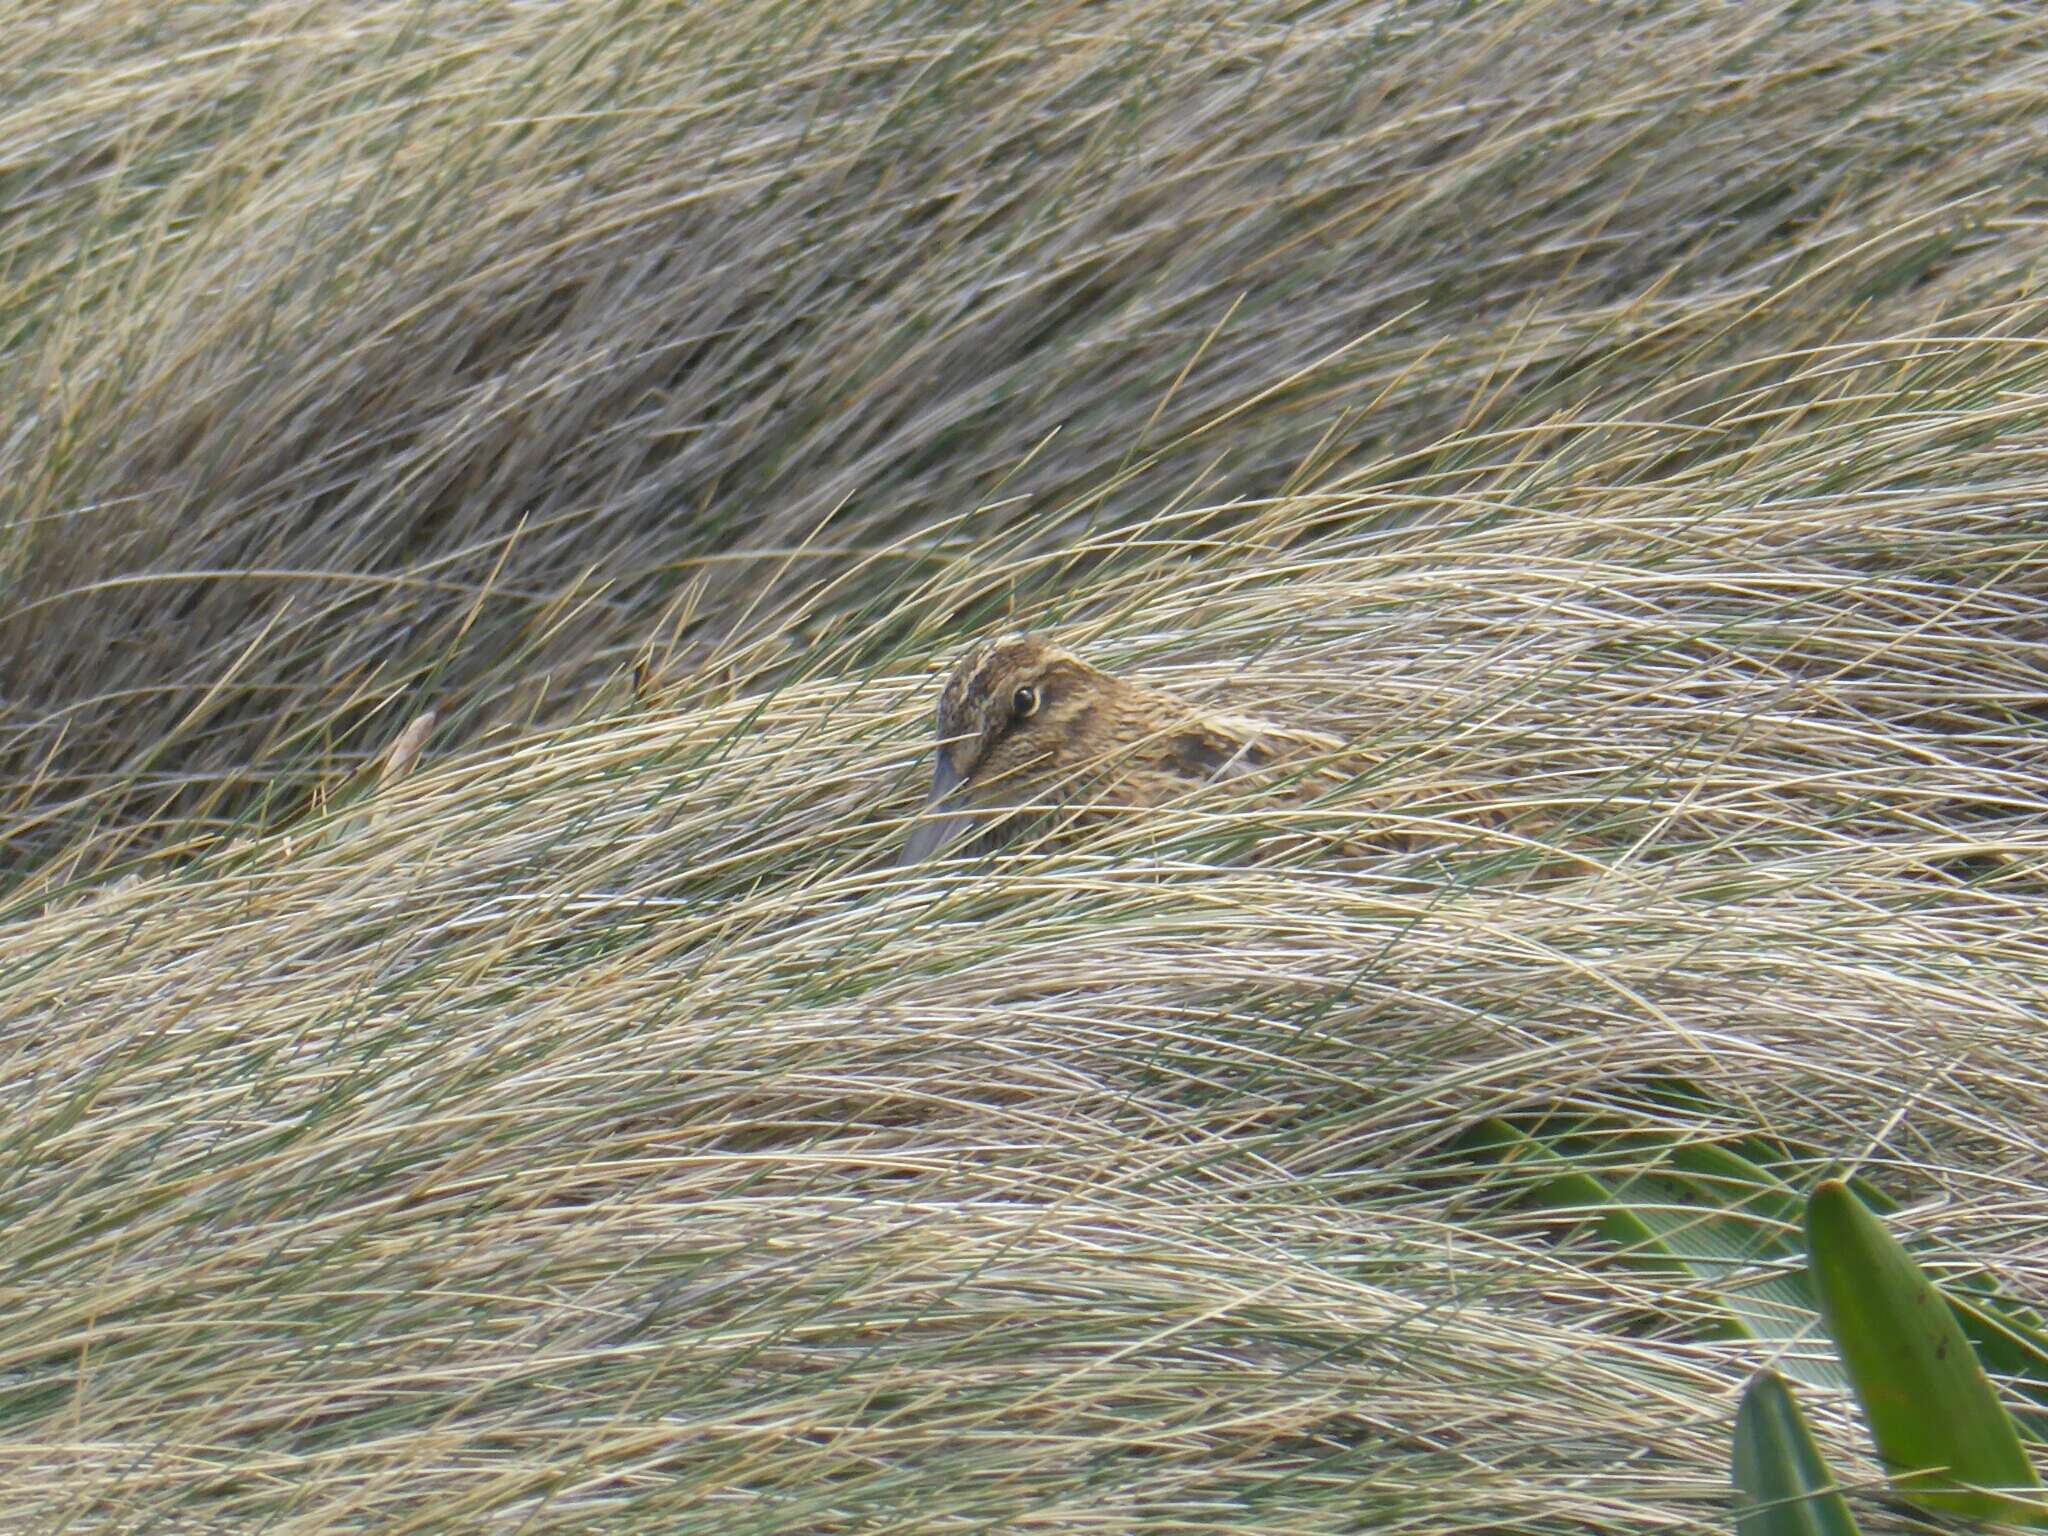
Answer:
[(1027, 728)]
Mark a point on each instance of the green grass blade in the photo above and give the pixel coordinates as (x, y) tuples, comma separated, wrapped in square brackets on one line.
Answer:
[(1782, 1484), (1937, 1422)]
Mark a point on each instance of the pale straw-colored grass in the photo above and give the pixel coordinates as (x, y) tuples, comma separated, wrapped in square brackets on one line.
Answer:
[(359, 349), (1638, 423), (607, 1133)]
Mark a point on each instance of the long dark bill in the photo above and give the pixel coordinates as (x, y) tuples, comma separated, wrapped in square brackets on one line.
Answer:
[(939, 827)]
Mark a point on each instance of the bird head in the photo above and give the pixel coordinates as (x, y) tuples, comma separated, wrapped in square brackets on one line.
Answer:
[(1013, 722)]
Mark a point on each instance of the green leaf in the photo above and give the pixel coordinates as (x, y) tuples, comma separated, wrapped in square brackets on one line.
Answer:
[(1708, 1219), (1558, 1185), (1782, 1485), (1725, 1216), (1937, 1423), (2006, 1344)]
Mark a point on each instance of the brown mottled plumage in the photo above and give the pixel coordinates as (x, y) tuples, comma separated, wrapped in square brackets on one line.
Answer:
[(1024, 723)]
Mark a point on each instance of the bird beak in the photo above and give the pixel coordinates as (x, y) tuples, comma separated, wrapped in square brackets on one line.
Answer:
[(938, 827)]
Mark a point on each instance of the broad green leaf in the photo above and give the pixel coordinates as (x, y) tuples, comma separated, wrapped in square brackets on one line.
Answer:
[(1782, 1484), (2005, 1344), (1938, 1425), (1743, 1263), (1558, 1185), (1726, 1216)]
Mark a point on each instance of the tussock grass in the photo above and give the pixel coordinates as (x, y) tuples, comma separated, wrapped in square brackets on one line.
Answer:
[(1638, 424), (358, 350)]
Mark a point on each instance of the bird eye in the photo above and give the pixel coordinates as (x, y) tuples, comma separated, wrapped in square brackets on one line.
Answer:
[(1024, 702)]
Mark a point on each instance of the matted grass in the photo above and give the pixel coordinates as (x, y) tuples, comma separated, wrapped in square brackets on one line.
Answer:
[(355, 349), (592, 1129)]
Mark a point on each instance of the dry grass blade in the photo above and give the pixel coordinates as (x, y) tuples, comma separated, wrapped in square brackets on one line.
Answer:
[(345, 352), (1632, 435)]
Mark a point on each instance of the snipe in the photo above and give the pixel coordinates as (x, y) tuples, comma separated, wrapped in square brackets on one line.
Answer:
[(1026, 725)]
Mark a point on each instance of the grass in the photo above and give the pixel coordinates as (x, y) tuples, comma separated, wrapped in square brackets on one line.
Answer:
[(1638, 421)]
